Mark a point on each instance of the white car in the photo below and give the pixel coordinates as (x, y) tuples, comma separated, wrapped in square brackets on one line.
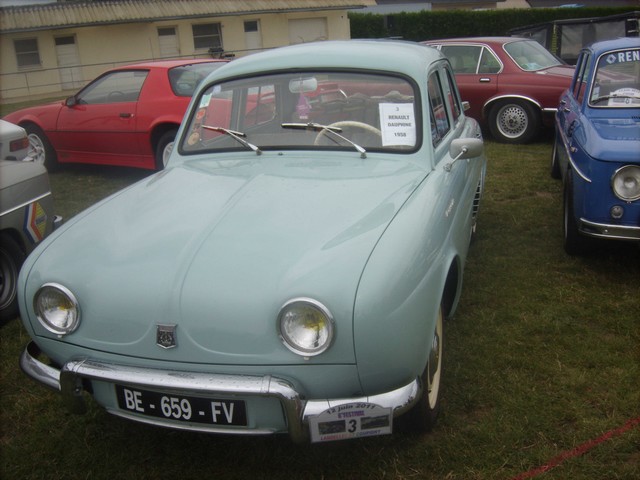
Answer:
[(14, 143)]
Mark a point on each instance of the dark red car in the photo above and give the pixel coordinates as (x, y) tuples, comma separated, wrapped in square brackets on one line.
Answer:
[(512, 84), (127, 116)]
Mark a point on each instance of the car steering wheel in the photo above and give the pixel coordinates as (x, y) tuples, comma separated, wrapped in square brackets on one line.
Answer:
[(349, 124)]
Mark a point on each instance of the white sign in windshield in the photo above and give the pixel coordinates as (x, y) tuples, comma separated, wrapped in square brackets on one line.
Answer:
[(398, 124)]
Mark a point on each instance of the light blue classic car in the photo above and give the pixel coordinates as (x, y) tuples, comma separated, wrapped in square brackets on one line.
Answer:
[(597, 146), (290, 270)]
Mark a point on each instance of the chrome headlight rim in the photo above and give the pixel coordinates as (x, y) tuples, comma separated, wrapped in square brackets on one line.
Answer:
[(290, 342), (41, 313), (619, 176)]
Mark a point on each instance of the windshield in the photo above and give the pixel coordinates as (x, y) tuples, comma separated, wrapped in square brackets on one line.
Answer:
[(185, 79), (617, 80), (530, 55), (348, 111)]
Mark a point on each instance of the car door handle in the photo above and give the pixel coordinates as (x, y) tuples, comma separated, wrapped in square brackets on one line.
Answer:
[(126, 115), (485, 80)]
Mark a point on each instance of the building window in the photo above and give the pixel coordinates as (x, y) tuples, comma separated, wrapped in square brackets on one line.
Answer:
[(70, 40), (166, 32), (207, 36), (27, 53), (251, 26), (168, 42)]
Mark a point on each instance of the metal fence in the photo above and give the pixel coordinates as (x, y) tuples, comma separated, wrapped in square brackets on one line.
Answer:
[(52, 82)]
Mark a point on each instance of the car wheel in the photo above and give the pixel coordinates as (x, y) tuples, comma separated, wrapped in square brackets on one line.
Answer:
[(423, 416), (514, 121), (574, 242), (164, 148), (40, 149), (555, 166), (11, 259)]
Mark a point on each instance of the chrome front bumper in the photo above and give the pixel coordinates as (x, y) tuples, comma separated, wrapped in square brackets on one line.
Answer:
[(614, 232), (69, 381)]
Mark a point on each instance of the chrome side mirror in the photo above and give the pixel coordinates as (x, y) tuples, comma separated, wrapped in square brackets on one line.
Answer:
[(464, 149)]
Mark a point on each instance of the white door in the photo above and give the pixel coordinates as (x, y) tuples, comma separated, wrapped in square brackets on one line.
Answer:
[(168, 41), (68, 62), (252, 36), (305, 30)]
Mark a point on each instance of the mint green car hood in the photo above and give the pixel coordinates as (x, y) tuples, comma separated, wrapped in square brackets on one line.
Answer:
[(217, 247)]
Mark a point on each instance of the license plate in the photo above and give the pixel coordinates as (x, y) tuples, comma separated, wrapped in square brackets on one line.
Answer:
[(182, 408), (351, 420)]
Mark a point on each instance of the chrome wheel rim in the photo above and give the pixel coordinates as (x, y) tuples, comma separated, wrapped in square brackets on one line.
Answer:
[(36, 149), (434, 367), (166, 153), (512, 121)]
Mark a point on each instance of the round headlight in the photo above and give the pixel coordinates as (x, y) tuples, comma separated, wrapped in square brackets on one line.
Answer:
[(626, 183), (57, 308), (305, 326)]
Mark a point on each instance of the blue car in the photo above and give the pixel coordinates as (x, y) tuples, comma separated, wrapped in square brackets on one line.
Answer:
[(597, 146), (290, 270)]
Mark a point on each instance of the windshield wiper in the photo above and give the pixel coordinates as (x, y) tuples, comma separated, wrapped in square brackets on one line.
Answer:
[(316, 127), (236, 135)]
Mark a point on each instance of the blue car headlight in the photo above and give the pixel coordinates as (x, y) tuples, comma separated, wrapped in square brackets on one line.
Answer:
[(57, 308), (626, 183), (305, 326)]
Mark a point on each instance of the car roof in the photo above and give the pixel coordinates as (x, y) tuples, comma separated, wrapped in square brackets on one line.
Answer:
[(168, 64), (616, 44), (407, 58), (486, 40)]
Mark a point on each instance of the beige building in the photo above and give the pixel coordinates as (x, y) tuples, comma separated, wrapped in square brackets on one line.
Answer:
[(391, 7), (58, 47)]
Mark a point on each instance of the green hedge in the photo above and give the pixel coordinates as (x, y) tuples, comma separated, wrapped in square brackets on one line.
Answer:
[(427, 25)]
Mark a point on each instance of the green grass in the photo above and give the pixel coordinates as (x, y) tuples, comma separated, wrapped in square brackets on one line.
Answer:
[(542, 356), (7, 108)]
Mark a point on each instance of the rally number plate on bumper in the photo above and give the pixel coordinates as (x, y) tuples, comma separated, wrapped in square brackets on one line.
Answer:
[(182, 408)]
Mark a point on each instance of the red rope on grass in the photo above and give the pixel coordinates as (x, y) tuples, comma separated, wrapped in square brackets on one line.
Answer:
[(579, 450)]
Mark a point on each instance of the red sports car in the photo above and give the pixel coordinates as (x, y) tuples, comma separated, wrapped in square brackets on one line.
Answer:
[(127, 116), (512, 84)]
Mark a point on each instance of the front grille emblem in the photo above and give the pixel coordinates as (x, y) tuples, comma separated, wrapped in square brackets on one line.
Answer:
[(166, 336)]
